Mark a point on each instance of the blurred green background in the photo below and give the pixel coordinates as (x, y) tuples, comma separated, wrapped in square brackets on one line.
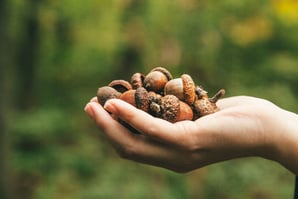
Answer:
[(56, 53)]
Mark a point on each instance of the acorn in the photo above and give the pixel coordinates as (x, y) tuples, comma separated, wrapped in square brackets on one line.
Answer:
[(129, 97), (183, 88), (136, 80), (205, 106), (156, 79), (161, 96), (138, 98), (174, 110), (105, 93), (154, 104)]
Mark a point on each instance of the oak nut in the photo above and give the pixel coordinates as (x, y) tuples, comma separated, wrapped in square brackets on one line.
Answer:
[(138, 98), (174, 110), (154, 104), (200, 92), (156, 79), (105, 93), (205, 105), (129, 97), (183, 88), (136, 80)]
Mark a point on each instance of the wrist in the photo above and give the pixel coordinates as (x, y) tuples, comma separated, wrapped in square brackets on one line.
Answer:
[(284, 139)]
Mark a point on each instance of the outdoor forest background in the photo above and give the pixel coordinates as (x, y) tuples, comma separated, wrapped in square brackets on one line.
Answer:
[(55, 54)]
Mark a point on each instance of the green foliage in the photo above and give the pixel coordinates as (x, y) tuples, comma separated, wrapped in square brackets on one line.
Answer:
[(246, 47)]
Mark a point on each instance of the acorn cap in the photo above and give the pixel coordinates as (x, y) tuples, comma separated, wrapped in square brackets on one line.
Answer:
[(120, 85), (204, 107), (154, 104), (136, 80), (170, 108), (200, 92), (188, 89), (142, 99), (164, 71)]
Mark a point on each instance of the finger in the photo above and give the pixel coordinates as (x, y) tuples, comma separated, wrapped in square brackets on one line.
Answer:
[(129, 146), (94, 99), (143, 122), (113, 130)]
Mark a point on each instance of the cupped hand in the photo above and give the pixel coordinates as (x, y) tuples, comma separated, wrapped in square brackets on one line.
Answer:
[(244, 126)]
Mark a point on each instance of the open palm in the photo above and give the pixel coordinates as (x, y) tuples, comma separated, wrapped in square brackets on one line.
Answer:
[(244, 126)]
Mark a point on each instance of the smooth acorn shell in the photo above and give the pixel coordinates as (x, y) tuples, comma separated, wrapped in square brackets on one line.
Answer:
[(185, 112), (155, 81), (175, 87), (105, 93), (129, 97), (183, 88)]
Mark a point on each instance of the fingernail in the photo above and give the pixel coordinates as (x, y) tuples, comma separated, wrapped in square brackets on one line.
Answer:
[(110, 107), (89, 110)]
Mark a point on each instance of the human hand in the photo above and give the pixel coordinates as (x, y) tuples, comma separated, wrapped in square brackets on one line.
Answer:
[(245, 126)]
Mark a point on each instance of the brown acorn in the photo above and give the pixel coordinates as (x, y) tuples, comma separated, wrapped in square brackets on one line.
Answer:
[(183, 88), (205, 105), (138, 98), (136, 80), (105, 93), (129, 97), (174, 110), (157, 79)]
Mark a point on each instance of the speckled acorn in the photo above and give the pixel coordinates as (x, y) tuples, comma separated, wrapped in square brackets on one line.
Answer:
[(205, 106), (174, 110), (156, 79), (154, 103), (200, 92)]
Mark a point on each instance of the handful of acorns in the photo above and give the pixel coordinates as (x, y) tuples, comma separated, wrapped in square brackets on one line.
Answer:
[(158, 94)]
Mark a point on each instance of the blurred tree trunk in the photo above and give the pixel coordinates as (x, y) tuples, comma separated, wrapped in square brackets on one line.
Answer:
[(25, 96), (5, 86), (17, 78), (27, 53)]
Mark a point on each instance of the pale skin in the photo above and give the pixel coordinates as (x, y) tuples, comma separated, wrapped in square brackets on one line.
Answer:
[(244, 126)]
